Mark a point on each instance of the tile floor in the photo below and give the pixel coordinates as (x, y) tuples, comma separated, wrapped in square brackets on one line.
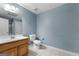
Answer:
[(45, 51)]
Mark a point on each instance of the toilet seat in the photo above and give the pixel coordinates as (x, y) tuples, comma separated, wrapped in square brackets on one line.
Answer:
[(38, 42)]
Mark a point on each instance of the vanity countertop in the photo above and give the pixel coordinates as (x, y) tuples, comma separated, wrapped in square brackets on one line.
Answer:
[(9, 39)]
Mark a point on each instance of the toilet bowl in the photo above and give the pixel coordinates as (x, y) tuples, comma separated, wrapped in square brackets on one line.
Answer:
[(36, 43)]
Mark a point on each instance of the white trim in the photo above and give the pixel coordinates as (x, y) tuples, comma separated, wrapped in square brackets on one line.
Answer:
[(63, 51)]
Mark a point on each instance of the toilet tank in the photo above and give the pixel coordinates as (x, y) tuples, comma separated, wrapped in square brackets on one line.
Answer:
[(32, 37)]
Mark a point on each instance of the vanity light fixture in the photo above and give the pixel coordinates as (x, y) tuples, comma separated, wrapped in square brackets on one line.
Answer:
[(10, 8)]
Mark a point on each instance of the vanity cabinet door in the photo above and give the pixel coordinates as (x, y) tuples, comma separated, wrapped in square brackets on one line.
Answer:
[(23, 50), (10, 52)]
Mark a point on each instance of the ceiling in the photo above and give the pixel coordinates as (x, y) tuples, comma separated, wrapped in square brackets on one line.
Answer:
[(38, 8)]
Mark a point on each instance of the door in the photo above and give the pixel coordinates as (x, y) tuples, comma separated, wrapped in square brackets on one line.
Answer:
[(23, 50)]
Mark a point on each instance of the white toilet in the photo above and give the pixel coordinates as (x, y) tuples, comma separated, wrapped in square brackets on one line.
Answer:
[(36, 43)]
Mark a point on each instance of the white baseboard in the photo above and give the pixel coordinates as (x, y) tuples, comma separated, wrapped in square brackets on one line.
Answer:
[(63, 51)]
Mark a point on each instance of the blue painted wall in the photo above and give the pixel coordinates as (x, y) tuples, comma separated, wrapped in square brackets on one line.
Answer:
[(60, 27), (28, 20)]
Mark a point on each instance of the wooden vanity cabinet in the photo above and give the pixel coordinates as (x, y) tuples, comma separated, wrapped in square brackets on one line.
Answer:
[(15, 48), (22, 50), (10, 52)]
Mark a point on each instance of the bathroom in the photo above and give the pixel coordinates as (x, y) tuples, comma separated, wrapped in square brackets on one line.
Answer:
[(42, 29)]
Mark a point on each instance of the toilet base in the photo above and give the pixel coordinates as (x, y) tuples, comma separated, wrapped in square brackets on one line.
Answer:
[(37, 46)]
